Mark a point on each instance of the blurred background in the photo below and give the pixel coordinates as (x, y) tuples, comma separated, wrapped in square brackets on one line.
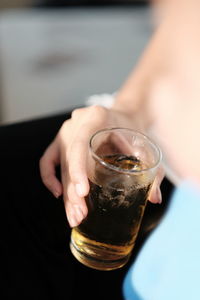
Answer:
[(56, 54)]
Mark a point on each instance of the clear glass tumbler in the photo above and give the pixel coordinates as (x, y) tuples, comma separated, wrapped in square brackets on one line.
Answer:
[(122, 165)]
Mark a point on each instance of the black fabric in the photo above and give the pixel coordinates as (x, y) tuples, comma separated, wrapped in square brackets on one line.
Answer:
[(88, 3), (35, 261)]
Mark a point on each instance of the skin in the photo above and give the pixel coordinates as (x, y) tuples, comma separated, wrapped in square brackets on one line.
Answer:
[(70, 149), (162, 93)]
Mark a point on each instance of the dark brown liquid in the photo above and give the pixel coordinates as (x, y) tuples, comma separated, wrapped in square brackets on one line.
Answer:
[(115, 211)]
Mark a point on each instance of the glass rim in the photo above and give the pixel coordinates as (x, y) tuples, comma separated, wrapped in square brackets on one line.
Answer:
[(118, 169)]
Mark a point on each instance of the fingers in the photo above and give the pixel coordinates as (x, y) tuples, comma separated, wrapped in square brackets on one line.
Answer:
[(77, 165), (74, 178), (74, 140), (70, 149), (72, 201), (76, 209), (48, 163), (155, 194)]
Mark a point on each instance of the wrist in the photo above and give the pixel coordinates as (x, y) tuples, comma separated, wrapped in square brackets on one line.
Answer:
[(135, 109)]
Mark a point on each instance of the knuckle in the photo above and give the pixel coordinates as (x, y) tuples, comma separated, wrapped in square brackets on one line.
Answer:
[(63, 131), (64, 126), (42, 163), (98, 110), (76, 113), (47, 181)]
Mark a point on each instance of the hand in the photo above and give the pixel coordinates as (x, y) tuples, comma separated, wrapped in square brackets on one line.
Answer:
[(70, 148)]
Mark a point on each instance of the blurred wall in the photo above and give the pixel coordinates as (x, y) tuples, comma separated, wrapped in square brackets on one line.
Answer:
[(53, 60)]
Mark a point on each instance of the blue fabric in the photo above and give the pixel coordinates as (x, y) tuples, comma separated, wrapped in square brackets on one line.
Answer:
[(168, 266)]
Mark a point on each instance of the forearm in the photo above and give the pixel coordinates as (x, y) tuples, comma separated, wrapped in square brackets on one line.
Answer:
[(180, 21), (132, 96)]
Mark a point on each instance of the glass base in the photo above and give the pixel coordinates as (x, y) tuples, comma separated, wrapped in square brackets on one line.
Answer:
[(95, 262)]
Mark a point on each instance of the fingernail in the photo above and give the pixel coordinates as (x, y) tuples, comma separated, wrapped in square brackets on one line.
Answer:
[(56, 194), (159, 195), (72, 220), (79, 213), (80, 190)]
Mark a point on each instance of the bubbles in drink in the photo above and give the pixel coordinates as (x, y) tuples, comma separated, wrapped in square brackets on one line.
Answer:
[(106, 237)]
